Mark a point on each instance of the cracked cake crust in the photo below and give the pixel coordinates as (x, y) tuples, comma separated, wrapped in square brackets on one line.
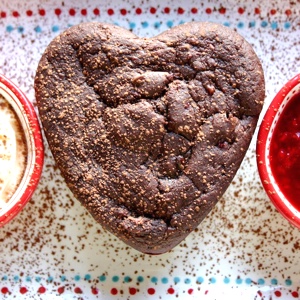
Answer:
[(149, 132)]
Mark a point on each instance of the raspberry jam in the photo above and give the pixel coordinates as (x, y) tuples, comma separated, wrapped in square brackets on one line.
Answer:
[(285, 151)]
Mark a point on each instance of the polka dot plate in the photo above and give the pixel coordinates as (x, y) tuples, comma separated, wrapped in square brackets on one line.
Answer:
[(243, 250)]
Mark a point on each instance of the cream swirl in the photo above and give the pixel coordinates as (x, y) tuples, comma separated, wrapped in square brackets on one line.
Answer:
[(12, 146)]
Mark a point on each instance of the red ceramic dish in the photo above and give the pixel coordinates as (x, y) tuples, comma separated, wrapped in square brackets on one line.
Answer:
[(35, 150), (265, 134)]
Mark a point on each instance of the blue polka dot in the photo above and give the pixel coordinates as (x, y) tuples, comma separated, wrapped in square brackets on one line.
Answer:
[(200, 279), (154, 279), (164, 280), (115, 278), (140, 278), (145, 24), (287, 25), (55, 28), (16, 278), (288, 282), (9, 28), (38, 29), (87, 277), (4, 277), (239, 280), (227, 24), (176, 280), (20, 29), (50, 279), (274, 281), (187, 281), (264, 24), (261, 281), (240, 25), (76, 277), (274, 25), (252, 24), (102, 278), (127, 279), (38, 278), (248, 280), (226, 280), (181, 22), (157, 24), (63, 278), (213, 280), (170, 24), (132, 25), (28, 279)]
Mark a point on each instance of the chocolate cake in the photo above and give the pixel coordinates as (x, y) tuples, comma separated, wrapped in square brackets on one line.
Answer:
[(149, 132)]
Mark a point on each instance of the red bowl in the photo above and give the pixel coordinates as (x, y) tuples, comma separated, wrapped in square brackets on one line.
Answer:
[(271, 186), (28, 120)]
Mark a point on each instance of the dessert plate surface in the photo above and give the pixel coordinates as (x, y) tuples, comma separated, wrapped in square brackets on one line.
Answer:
[(243, 250)]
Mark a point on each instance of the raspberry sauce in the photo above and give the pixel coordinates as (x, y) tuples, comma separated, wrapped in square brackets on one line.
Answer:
[(285, 151)]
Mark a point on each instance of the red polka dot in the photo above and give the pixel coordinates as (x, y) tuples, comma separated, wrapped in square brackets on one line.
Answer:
[(194, 10), (180, 10), (4, 290), (295, 294), (41, 290), (132, 291), (3, 14), (256, 10), (110, 11), (190, 291), (61, 289), (15, 14), (114, 291), (42, 12), (84, 12), (72, 12), (29, 13), (123, 11), (151, 291), (241, 10), (57, 11), (208, 11), (152, 10), (273, 11), (288, 12), (277, 293), (95, 291), (23, 290), (259, 293), (222, 10), (77, 290), (138, 11), (167, 10), (96, 12), (171, 291)]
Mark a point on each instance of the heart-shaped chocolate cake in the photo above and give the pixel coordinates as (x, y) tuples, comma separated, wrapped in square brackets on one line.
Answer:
[(149, 132)]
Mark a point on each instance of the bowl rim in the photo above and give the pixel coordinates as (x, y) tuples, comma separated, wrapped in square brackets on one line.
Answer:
[(271, 188), (35, 134)]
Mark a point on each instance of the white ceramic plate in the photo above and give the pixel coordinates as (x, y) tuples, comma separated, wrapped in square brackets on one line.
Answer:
[(243, 250)]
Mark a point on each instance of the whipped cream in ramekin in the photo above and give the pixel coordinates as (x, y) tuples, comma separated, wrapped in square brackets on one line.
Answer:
[(21, 148), (12, 152)]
